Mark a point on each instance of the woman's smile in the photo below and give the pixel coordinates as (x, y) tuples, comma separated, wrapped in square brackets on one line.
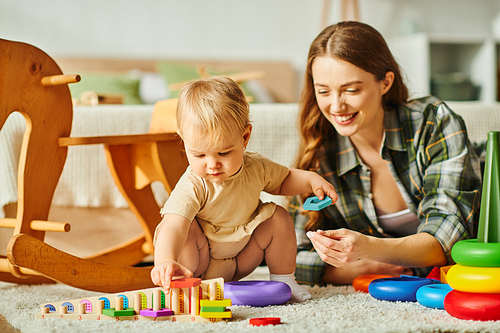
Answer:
[(345, 119)]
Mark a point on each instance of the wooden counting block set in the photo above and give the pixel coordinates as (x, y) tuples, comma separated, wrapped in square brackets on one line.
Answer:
[(186, 302)]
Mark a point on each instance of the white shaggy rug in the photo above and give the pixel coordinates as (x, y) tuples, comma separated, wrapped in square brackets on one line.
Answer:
[(332, 309)]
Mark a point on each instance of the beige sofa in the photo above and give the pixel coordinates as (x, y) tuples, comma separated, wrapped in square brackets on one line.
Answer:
[(86, 181)]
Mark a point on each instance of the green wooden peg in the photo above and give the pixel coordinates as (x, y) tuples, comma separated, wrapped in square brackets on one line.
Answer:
[(489, 215)]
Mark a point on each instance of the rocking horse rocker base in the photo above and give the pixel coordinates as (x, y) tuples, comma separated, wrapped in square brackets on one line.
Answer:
[(31, 253)]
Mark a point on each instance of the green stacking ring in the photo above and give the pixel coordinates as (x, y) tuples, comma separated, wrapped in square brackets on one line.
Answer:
[(470, 252)]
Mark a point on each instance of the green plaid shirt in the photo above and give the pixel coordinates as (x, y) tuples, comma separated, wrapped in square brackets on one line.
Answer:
[(436, 169)]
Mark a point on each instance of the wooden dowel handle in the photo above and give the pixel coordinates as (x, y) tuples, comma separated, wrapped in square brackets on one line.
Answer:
[(38, 225), (50, 226), (55, 80)]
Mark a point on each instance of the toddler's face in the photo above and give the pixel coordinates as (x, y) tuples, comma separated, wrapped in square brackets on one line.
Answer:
[(215, 163)]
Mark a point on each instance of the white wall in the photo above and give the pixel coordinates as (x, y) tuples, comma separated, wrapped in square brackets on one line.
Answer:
[(216, 29)]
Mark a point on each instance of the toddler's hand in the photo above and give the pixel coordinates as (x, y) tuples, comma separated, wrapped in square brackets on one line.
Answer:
[(165, 270), (322, 188)]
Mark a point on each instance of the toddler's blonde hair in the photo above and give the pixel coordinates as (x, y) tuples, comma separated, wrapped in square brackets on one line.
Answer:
[(213, 107)]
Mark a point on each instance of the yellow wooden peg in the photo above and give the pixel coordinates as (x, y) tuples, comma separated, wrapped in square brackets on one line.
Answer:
[(216, 303)]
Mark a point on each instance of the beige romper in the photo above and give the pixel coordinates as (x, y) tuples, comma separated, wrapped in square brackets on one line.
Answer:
[(228, 212)]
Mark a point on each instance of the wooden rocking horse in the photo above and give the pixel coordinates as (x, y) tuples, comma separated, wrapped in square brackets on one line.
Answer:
[(31, 83)]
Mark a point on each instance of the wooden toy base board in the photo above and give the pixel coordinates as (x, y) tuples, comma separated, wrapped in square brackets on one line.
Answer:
[(92, 316)]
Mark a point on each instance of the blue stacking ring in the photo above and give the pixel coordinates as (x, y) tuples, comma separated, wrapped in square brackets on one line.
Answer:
[(432, 295), (403, 288)]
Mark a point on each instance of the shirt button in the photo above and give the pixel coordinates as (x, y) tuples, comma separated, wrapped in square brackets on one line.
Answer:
[(370, 196)]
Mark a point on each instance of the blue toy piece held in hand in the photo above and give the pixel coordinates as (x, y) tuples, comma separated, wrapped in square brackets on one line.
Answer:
[(313, 203)]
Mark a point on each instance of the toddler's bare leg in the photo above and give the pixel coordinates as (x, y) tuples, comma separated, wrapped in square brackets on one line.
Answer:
[(195, 253), (275, 240)]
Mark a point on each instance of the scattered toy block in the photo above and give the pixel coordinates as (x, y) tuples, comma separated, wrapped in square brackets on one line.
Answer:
[(265, 321), (443, 271), (434, 274)]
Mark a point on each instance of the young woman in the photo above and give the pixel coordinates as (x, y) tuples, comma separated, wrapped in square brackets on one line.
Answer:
[(406, 174)]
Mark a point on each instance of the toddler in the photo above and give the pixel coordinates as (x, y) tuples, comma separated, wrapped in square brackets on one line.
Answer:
[(214, 223)]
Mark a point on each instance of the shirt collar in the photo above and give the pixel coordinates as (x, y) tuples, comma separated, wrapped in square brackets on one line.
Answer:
[(346, 154), (394, 135)]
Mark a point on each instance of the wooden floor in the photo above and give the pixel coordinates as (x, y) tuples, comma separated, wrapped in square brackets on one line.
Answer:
[(92, 230), (5, 327)]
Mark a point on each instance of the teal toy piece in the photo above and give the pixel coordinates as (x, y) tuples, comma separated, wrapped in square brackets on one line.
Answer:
[(313, 203)]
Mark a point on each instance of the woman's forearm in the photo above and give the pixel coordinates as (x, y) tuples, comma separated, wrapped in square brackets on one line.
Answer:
[(341, 247), (418, 250)]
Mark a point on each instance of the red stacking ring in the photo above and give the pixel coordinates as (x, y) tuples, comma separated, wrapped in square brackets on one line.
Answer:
[(265, 321)]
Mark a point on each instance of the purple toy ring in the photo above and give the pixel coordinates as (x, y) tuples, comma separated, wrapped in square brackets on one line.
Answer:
[(257, 293)]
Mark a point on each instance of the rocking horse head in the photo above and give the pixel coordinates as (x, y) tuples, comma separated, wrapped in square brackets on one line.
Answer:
[(32, 84)]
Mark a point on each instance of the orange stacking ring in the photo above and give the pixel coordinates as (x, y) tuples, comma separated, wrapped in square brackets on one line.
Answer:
[(362, 282)]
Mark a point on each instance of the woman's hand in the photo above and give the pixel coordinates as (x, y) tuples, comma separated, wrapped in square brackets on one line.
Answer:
[(340, 247), (165, 270)]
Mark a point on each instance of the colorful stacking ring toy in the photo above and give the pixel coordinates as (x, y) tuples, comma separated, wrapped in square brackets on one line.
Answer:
[(472, 306), (362, 282), (470, 252), (432, 295), (474, 279), (402, 289), (257, 293)]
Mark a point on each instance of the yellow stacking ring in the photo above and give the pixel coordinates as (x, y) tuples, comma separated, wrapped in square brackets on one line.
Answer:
[(470, 252), (474, 279)]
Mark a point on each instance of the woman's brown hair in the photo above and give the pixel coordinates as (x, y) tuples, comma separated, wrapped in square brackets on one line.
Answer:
[(362, 46)]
